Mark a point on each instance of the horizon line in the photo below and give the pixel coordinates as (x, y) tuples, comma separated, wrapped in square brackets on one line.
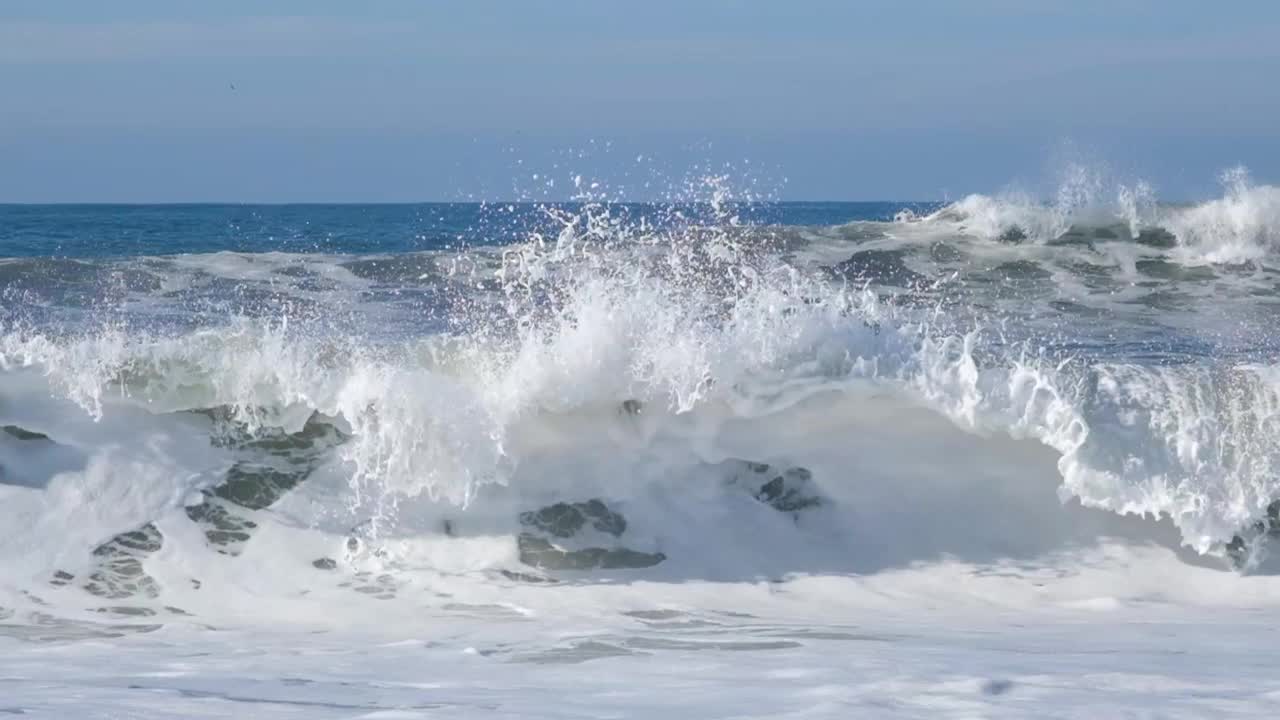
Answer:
[(286, 203)]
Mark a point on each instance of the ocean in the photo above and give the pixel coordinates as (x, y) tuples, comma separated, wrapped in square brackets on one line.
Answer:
[(993, 457)]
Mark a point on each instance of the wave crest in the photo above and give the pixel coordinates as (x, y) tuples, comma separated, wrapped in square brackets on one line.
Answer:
[(627, 363), (1243, 225)]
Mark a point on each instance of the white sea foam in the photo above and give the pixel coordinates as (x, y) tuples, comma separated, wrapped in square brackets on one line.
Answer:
[(701, 347), (1242, 225), (344, 493)]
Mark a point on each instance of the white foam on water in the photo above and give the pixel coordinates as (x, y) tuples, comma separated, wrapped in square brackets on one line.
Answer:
[(987, 528), (1242, 225)]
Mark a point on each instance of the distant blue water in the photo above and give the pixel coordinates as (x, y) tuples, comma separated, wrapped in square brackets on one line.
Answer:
[(129, 230)]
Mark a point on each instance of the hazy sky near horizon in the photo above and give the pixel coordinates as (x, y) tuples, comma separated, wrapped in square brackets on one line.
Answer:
[(318, 100)]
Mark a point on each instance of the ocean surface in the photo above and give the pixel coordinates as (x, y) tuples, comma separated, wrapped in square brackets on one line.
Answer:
[(997, 457)]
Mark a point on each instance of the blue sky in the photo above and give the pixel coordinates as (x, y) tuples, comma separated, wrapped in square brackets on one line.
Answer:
[(399, 101)]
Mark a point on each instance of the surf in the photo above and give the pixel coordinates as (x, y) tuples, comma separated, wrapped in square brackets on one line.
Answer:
[(696, 398)]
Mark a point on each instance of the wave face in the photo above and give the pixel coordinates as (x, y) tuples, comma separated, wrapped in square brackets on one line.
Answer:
[(681, 389)]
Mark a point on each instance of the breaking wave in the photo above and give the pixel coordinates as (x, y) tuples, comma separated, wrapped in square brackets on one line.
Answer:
[(1243, 225), (618, 398)]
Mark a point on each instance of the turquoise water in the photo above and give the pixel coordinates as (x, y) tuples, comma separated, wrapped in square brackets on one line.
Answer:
[(138, 230)]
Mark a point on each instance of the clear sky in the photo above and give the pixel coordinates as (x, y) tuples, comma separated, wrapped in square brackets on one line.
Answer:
[(388, 100)]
